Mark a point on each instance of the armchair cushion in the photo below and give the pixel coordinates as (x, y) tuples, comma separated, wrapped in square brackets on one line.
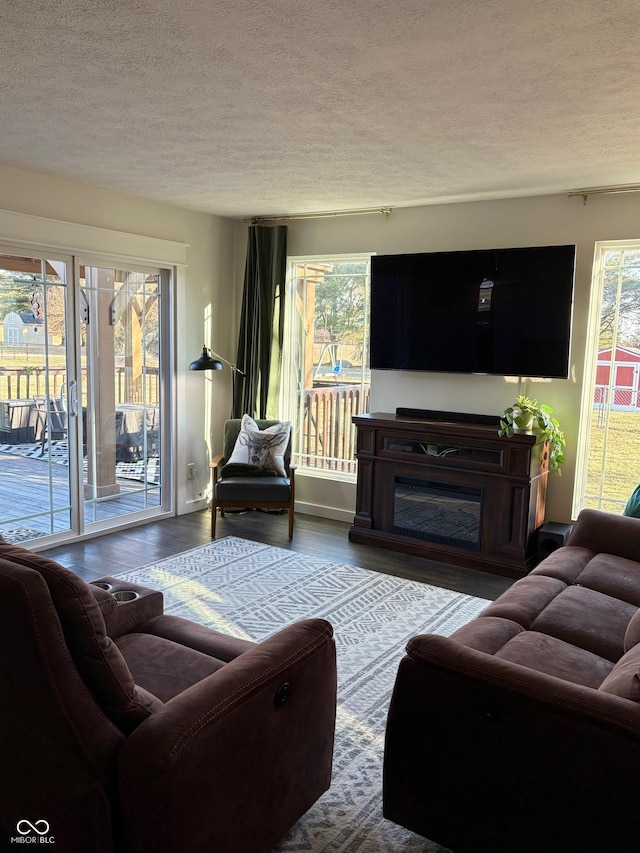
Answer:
[(263, 447), (252, 489)]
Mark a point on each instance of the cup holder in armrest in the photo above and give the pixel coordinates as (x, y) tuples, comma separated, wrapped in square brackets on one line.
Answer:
[(143, 602), (124, 595)]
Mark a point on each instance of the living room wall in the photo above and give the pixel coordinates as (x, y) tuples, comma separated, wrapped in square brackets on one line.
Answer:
[(209, 288), (205, 294), (541, 220)]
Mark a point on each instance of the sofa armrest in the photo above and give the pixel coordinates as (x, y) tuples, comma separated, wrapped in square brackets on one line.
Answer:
[(472, 735), (232, 762), (606, 533), (502, 676)]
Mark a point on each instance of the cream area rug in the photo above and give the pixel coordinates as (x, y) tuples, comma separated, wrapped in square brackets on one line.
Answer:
[(251, 590)]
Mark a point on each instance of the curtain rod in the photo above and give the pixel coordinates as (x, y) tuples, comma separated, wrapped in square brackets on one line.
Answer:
[(584, 194), (259, 220)]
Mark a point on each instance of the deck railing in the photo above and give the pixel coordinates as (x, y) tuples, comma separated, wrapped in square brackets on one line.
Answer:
[(20, 383), (327, 435)]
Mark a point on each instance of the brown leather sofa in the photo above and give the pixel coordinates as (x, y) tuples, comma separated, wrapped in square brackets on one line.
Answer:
[(520, 733), (125, 729)]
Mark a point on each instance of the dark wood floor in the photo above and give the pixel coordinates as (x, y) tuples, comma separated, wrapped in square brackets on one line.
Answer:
[(138, 546)]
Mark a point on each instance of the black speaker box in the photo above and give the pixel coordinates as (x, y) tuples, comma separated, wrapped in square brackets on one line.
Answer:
[(552, 535)]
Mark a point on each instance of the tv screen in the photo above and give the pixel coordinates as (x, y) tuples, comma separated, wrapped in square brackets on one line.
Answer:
[(496, 311)]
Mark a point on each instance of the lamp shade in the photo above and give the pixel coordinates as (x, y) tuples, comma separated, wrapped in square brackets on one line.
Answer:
[(205, 362)]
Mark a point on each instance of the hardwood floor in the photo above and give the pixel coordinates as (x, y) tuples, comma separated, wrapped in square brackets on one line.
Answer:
[(119, 551)]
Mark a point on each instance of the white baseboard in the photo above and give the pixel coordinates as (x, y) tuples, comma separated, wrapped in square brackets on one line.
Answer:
[(325, 512)]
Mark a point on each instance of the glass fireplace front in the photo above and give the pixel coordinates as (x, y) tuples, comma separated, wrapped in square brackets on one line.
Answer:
[(438, 512)]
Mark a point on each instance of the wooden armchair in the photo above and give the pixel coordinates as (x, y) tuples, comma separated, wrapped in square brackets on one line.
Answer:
[(243, 487)]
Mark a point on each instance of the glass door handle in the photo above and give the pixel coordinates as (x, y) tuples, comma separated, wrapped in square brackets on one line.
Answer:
[(73, 398)]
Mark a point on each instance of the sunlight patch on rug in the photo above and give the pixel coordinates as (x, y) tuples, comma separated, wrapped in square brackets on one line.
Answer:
[(252, 590)]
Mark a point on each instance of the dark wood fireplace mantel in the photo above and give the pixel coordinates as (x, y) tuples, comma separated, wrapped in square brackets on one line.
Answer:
[(425, 470)]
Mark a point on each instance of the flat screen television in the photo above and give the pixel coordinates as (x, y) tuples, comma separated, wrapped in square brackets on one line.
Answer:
[(497, 311)]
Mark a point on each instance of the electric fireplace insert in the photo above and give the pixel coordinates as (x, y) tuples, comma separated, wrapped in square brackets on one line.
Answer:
[(438, 511)]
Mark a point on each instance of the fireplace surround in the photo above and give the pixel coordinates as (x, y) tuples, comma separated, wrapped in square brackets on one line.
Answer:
[(450, 490)]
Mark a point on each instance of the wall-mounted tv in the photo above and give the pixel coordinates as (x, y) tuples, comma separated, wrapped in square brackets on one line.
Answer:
[(496, 311)]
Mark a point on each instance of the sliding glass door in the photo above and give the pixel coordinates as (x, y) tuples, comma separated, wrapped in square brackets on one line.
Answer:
[(37, 399), (84, 396), (122, 391)]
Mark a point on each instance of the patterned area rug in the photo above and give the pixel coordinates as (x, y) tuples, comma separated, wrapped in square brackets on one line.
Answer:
[(252, 590)]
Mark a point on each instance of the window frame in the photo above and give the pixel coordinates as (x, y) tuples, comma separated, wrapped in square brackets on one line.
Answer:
[(291, 404)]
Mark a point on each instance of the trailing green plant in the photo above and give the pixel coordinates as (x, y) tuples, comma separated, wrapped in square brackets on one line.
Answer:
[(527, 415)]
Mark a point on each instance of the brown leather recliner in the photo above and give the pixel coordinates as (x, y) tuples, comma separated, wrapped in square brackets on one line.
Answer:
[(124, 729)]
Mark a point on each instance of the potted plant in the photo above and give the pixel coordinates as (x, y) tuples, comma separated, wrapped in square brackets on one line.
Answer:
[(527, 415)]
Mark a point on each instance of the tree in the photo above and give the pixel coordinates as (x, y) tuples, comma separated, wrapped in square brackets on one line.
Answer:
[(341, 302), (15, 293), (626, 281)]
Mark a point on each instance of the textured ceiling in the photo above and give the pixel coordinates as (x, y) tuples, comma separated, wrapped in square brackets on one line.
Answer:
[(244, 108)]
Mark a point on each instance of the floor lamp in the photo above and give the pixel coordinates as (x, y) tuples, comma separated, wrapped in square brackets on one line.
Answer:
[(206, 361)]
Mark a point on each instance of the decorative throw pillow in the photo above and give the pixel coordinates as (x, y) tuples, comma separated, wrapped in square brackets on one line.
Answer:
[(261, 447)]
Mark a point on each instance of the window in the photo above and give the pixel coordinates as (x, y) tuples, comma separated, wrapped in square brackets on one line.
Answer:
[(326, 377), (609, 446)]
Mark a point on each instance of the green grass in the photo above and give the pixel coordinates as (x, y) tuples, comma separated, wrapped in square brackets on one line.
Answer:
[(616, 452)]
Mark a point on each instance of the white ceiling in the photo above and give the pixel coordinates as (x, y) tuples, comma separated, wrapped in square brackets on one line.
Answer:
[(245, 108)]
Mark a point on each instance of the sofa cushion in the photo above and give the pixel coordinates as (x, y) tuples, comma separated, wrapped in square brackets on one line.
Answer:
[(523, 602), (587, 619), (615, 576), (624, 678), (565, 564), (97, 658), (487, 634), (552, 656)]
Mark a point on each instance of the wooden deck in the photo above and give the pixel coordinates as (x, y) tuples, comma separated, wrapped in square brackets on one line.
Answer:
[(34, 495)]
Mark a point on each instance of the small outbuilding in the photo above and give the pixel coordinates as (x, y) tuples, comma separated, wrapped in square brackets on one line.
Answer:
[(21, 327), (622, 389)]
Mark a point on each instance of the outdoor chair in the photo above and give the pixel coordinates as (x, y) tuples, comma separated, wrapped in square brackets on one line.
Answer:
[(52, 420), (127, 730), (247, 485)]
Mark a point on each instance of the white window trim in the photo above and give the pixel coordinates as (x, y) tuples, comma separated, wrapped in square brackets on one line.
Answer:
[(286, 401), (590, 365)]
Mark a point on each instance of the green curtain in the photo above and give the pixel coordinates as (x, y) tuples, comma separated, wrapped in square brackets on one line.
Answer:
[(261, 321)]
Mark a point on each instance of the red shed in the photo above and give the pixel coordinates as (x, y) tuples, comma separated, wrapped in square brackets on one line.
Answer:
[(626, 379)]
